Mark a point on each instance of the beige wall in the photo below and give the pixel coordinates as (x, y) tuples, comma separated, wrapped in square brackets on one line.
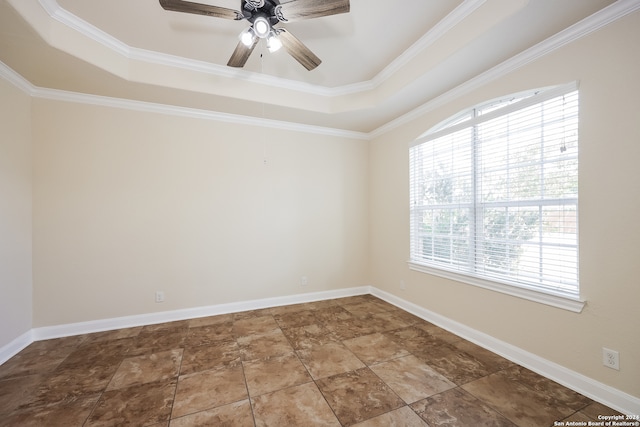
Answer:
[(607, 65), (127, 203), (15, 213)]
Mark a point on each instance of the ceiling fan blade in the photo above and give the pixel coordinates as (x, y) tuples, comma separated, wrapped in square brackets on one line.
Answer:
[(299, 51), (241, 54), (201, 9), (307, 9)]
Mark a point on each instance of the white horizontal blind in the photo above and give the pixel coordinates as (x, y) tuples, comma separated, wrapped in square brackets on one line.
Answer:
[(497, 197)]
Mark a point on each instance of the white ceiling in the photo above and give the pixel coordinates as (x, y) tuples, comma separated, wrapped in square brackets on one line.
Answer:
[(380, 61)]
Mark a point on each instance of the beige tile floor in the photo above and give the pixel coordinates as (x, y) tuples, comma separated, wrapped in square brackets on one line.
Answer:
[(355, 361)]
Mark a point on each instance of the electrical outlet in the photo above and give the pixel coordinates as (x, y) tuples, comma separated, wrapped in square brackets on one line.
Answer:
[(159, 296), (304, 281), (403, 286), (610, 359)]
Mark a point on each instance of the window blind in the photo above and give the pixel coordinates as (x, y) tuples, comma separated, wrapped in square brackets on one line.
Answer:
[(496, 196)]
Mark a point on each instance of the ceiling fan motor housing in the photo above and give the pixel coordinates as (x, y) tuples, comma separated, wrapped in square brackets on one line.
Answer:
[(252, 10)]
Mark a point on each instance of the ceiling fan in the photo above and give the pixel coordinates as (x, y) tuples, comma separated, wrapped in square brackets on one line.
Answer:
[(263, 16)]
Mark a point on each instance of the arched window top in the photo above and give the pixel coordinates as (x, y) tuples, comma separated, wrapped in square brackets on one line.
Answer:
[(484, 108)]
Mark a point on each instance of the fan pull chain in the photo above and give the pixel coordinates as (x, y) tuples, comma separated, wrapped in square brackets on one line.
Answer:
[(264, 140)]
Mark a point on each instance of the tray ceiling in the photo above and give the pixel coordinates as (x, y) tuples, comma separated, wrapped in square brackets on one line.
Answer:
[(379, 62)]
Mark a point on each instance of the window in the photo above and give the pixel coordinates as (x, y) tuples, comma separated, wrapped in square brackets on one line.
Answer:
[(494, 196)]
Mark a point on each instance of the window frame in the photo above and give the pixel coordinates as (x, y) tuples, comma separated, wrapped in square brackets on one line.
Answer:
[(565, 300)]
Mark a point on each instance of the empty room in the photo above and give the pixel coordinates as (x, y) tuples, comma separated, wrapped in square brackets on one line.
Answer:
[(319, 213)]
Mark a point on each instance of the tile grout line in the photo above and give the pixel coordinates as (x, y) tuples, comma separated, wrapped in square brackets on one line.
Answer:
[(104, 390), (246, 383), (175, 391)]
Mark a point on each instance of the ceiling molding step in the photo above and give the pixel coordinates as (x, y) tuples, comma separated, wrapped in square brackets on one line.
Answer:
[(433, 35), (149, 107), (57, 12), (21, 83), (225, 71), (16, 79), (590, 24)]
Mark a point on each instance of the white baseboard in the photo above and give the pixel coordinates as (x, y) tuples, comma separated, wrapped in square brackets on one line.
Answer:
[(16, 346), (589, 387), (60, 331), (582, 384)]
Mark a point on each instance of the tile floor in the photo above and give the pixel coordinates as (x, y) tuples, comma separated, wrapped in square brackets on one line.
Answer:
[(355, 361)]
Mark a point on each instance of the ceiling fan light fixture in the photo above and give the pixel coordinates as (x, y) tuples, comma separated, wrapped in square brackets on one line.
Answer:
[(273, 42), (261, 27), (247, 37)]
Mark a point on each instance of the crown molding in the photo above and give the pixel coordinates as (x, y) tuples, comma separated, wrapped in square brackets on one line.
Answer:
[(21, 83), (16, 79), (437, 32), (55, 11), (150, 107), (590, 24), (432, 36)]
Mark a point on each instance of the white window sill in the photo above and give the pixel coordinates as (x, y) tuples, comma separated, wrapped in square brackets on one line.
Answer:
[(555, 300)]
